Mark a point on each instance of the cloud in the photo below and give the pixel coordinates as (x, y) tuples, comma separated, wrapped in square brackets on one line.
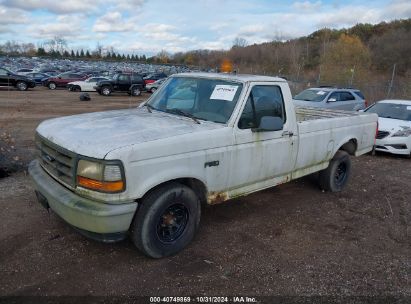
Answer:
[(129, 4), (12, 16), (66, 26), (113, 22), (397, 9), (348, 16), (54, 6), (307, 5)]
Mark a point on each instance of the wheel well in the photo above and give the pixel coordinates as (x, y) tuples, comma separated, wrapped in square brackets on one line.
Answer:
[(350, 147), (196, 185)]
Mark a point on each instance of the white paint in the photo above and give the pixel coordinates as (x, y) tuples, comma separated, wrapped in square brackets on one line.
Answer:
[(158, 147)]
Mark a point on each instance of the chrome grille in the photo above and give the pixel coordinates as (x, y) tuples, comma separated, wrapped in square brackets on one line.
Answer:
[(382, 134), (58, 162)]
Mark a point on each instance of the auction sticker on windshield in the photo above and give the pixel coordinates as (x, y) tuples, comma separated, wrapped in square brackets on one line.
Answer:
[(224, 92)]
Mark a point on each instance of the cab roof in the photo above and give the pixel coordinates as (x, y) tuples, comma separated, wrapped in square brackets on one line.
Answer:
[(232, 77)]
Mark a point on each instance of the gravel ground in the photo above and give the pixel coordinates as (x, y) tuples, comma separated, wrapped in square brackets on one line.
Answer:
[(291, 240)]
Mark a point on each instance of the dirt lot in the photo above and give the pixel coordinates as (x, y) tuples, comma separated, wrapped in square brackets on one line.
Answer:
[(289, 240)]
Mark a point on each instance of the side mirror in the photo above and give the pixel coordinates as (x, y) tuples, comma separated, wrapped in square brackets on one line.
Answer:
[(269, 123), (332, 100)]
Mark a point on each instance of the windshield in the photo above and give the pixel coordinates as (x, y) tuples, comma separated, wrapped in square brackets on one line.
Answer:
[(201, 98), (311, 95), (391, 110)]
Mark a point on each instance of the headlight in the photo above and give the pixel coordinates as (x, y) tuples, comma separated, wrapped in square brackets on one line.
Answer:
[(402, 133), (100, 176)]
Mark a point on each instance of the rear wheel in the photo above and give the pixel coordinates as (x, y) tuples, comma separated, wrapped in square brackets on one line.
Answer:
[(21, 86), (76, 88), (52, 86), (166, 221), (153, 90), (135, 91), (336, 176), (106, 91)]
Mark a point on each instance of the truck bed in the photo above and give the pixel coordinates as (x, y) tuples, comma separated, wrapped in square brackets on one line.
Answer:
[(305, 113)]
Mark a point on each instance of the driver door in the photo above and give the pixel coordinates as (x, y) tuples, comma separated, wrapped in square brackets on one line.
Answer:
[(262, 156)]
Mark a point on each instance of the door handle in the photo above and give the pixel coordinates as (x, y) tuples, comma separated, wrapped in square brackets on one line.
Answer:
[(287, 133)]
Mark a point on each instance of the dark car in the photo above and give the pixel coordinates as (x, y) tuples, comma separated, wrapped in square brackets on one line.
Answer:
[(38, 77), (154, 77), (63, 79), (130, 83), (9, 79)]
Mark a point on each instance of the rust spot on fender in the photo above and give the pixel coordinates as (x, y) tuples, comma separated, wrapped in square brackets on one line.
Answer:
[(217, 197)]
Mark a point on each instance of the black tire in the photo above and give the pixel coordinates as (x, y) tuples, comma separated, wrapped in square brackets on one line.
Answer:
[(21, 86), (76, 88), (135, 91), (52, 86), (337, 174), (156, 230), (106, 91), (153, 90)]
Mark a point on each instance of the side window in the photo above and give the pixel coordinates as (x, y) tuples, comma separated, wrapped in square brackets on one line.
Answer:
[(137, 78), (334, 97), (347, 96), (262, 101), (3, 72), (123, 78)]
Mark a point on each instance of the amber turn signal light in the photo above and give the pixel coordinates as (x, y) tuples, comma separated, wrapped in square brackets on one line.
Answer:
[(93, 184)]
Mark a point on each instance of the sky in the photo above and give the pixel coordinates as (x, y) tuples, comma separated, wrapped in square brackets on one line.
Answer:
[(149, 26)]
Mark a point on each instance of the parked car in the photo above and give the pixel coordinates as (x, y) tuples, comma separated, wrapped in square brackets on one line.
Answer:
[(38, 77), (394, 126), (20, 82), (86, 85), (331, 98), (152, 87), (63, 79), (144, 172), (130, 83), (154, 77)]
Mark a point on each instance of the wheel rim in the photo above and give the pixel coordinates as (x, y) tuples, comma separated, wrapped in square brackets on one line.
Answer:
[(153, 90), (172, 223), (22, 86), (136, 92), (340, 173), (106, 91), (52, 86)]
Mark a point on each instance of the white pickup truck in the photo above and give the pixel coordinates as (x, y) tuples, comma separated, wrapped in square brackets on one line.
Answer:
[(200, 139)]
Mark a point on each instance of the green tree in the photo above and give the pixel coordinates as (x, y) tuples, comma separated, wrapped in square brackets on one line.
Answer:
[(41, 52)]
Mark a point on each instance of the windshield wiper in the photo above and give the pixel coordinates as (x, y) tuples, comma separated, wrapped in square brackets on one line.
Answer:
[(149, 107), (183, 113)]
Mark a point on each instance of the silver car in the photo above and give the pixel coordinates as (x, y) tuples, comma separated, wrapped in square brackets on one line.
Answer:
[(331, 98)]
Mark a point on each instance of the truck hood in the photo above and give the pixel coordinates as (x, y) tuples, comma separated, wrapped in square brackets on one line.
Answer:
[(96, 134), (392, 125)]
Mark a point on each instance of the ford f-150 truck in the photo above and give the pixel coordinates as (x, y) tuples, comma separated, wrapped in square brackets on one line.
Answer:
[(200, 139)]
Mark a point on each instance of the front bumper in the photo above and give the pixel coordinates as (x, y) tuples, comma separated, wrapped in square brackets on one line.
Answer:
[(91, 218), (394, 145)]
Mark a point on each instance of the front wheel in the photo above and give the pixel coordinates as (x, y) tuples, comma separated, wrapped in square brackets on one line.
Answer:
[(52, 86), (336, 176), (166, 221), (21, 86)]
